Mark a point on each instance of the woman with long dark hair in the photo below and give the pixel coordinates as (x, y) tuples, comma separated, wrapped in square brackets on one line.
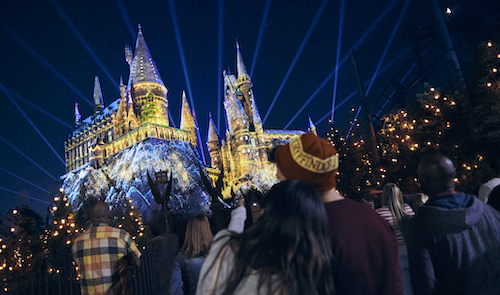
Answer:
[(193, 253), (287, 251), (397, 213)]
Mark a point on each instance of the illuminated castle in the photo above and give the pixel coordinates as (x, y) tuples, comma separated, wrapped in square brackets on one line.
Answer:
[(141, 112)]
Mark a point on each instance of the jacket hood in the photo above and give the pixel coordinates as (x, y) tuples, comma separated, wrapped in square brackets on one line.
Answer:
[(441, 220)]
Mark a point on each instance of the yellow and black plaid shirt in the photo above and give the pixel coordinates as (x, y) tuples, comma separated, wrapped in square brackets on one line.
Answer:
[(97, 251)]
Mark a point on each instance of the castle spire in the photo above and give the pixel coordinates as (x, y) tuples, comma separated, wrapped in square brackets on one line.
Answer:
[(255, 113), (98, 100), (241, 70), (78, 117), (213, 135), (142, 66), (187, 119), (311, 127)]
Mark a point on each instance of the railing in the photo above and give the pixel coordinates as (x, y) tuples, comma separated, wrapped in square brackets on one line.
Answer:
[(42, 280)]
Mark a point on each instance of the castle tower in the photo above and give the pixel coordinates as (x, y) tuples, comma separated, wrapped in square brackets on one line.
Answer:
[(146, 89), (214, 145), (78, 117), (98, 100), (259, 131), (311, 127), (244, 84), (187, 120)]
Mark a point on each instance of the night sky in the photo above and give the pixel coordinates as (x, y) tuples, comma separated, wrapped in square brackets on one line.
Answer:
[(50, 51)]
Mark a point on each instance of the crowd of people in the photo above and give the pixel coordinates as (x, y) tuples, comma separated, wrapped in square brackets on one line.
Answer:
[(304, 237)]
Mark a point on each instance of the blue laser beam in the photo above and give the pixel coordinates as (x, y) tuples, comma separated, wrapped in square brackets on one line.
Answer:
[(265, 15), (385, 68), (26, 101), (23, 195), (219, 63), (27, 181), (344, 59), (297, 55), (82, 40), (337, 56), (43, 61), (124, 14), (29, 159), (388, 45), (173, 13), (31, 122)]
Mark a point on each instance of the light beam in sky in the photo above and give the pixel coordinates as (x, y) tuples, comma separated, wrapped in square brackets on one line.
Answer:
[(267, 8), (173, 13), (344, 59), (388, 45), (29, 159), (297, 55), (124, 14), (219, 63), (26, 101), (391, 63), (337, 56), (31, 122), (27, 181), (23, 195), (43, 61), (82, 40)]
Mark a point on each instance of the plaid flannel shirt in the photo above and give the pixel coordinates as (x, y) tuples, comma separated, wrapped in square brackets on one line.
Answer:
[(97, 251)]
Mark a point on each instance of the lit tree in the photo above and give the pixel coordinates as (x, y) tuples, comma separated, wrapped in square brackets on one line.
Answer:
[(126, 216), (21, 233), (486, 112), (432, 123), (356, 173), (63, 230)]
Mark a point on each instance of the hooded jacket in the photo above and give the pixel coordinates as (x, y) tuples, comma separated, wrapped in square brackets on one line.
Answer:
[(454, 246)]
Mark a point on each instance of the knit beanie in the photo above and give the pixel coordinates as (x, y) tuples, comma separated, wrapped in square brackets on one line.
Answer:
[(309, 158)]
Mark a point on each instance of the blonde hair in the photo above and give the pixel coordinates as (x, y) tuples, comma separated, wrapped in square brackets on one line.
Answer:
[(198, 237), (393, 198)]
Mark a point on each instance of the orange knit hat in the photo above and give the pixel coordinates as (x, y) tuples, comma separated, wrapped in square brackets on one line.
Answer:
[(309, 158)]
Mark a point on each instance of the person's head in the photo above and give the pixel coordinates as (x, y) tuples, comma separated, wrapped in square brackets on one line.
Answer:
[(100, 212), (308, 158), (436, 174), (198, 237), (289, 240), (392, 195)]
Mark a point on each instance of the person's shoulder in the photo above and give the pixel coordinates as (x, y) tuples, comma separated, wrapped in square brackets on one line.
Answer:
[(492, 183)]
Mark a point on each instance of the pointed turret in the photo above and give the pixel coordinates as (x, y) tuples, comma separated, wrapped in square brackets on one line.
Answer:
[(213, 135), (98, 100), (241, 70), (214, 144), (311, 127), (78, 117), (187, 119), (142, 67), (244, 84), (188, 122), (256, 119), (123, 89)]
